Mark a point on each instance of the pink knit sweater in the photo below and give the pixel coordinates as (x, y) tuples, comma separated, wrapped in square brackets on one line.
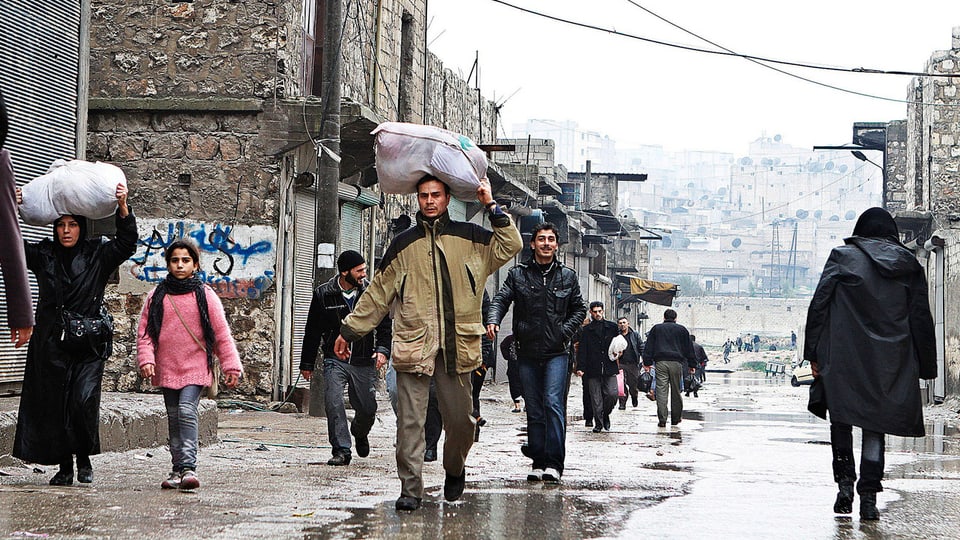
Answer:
[(179, 361)]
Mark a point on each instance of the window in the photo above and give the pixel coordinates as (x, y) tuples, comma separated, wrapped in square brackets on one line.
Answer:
[(313, 22)]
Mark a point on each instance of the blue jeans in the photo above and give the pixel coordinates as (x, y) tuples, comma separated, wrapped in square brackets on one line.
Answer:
[(183, 425), (544, 389), (362, 393)]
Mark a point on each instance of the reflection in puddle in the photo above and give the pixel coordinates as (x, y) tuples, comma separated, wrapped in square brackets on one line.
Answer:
[(505, 510)]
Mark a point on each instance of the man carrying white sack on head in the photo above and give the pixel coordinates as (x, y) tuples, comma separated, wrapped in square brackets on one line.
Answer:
[(433, 276)]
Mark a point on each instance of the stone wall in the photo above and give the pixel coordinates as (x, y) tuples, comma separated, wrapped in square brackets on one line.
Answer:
[(191, 49), (197, 102), (896, 193), (714, 319)]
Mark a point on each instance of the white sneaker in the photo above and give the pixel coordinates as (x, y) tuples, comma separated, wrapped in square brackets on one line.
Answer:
[(172, 482), (535, 475), (551, 475)]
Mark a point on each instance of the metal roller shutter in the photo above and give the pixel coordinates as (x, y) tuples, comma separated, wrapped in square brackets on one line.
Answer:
[(304, 265), (351, 227), (39, 55)]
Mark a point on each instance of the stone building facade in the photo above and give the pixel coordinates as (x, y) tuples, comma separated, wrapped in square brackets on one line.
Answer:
[(930, 195), (211, 109)]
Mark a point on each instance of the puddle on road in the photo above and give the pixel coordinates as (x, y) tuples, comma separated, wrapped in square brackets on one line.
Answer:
[(504, 510)]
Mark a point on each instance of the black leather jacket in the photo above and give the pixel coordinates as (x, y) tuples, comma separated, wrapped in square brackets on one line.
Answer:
[(327, 309), (548, 309)]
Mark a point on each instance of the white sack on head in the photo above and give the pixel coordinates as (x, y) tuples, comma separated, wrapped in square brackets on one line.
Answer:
[(72, 187), (617, 346), (407, 152)]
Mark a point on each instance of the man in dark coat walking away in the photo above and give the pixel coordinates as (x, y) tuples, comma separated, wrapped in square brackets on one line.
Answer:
[(869, 339), (669, 346), (599, 372)]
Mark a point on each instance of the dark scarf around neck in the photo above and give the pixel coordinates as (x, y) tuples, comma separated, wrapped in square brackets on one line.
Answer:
[(177, 287)]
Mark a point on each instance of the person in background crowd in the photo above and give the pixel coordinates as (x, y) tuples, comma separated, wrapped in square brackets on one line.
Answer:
[(509, 352), (331, 302), (13, 262), (182, 328), (59, 414), (630, 362), (432, 275), (702, 359), (727, 347), (869, 338), (669, 347), (547, 310), (599, 372)]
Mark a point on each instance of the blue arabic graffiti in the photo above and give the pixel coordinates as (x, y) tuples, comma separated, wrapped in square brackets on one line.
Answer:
[(218, 241)]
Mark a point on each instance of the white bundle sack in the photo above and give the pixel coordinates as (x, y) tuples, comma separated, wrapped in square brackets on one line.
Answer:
[(617, 346), (407, 152), (72, 187)]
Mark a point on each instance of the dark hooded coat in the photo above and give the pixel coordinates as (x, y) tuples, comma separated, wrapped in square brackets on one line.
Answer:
[(60, 404), (870, 330)]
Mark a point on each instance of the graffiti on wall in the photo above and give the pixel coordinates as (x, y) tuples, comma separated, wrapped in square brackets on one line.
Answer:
[(236, 261)]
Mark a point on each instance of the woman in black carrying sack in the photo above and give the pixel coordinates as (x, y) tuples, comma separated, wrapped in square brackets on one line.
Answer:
[(60, 405)]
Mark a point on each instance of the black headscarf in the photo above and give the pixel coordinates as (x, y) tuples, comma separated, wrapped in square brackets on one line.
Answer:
[(66, 256), (176, 287), (877, 223)]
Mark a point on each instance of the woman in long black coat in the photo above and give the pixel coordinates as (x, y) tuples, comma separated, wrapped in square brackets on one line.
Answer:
[(60, 405), (870, 338)]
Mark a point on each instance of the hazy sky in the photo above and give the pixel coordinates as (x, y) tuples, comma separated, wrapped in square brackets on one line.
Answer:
[(642, 93)]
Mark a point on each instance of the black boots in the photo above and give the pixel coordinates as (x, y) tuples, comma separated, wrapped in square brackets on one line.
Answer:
[(868, 507), (844, 502)]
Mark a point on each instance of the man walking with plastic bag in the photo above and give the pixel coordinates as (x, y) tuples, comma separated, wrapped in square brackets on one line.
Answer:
[(432, 276)]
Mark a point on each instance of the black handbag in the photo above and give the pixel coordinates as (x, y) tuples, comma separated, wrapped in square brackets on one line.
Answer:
[(79, 333)]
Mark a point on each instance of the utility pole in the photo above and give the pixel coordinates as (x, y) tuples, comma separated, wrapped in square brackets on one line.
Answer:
[(328, 152)]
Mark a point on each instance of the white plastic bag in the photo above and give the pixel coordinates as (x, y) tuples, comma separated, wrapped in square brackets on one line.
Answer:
[(72, 187), (407, 152), (617, 346)]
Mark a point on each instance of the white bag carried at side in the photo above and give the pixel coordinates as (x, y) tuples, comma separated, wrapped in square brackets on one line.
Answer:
[(407, 152), (617, 346), (74, 187)]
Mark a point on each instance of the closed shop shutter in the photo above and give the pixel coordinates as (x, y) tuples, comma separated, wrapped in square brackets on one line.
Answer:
[(304, 264), (39, 55), (351, 228)]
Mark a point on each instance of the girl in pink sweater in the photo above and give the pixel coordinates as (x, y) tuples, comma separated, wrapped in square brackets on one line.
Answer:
[(182, 327)]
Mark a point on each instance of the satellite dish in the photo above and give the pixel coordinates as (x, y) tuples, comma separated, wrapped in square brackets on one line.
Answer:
[(849, 215), (722, 191), (818, 214), (766, 162), (666, 242), (736, 242), (802, 214), (691, 185), (828, 166), (746, 161), (834, 218), (777, 137), (701, 230), (685, 243), (842, 168)]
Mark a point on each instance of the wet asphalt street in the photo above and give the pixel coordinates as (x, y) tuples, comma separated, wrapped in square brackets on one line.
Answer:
[(747, 462)]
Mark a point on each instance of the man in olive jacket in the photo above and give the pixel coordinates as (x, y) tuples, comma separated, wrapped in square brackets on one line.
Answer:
[(432, 278), (548, 310)]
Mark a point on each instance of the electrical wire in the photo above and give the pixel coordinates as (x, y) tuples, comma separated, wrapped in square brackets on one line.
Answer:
[(760, 63), (725, 53)]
